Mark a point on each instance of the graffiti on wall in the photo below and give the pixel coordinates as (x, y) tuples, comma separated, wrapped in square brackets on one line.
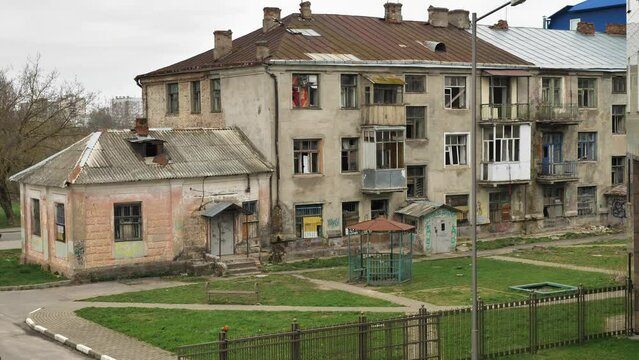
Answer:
[(78, 251), (333, 223), (618, 208)]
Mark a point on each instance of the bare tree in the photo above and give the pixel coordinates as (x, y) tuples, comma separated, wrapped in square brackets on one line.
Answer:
[(38, 117)]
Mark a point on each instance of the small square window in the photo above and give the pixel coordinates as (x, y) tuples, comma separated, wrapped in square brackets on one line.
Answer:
[(618, 84)]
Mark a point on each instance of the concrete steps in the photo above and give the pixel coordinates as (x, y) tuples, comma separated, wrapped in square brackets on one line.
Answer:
[(242, 266)]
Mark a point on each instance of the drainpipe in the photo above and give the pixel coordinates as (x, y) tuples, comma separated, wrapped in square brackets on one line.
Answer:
[(277, 135)]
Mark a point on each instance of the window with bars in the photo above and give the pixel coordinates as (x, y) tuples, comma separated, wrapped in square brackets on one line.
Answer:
[(350, 215), (196, 97), (35, 217), (618, 169), (455, 92), (173, 99), (60, 227), (415, 83), (305, 91), (618, 119), (306, 156), (349, 154), (501, 143), (459, 202), (250, 220), (216, 95), (379, 208), (587, 200), (456, 150), (618, 84), (308, 221), (348, 91), (551, 91), (128, 221), (587, 146), (586, 93), (415, 122), (416, 181), (499, 206)]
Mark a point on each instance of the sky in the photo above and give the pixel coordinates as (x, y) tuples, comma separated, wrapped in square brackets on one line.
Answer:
[(105, 44)]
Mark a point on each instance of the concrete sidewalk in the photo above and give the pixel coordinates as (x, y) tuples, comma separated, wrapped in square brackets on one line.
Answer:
[(556, 265)]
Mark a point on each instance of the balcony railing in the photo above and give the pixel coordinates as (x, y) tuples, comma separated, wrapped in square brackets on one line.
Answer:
[(505, 171), (564, 169), (505, 112), (384, 114), (383, 180), (566, 114)]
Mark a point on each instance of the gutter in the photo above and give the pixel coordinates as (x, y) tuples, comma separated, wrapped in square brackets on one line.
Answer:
[(277, 134)]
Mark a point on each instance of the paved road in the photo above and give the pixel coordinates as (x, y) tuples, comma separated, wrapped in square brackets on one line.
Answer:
[(10, 238)]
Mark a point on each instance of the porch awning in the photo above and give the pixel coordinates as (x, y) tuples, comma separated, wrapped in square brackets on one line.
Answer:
[(384, 79), (508, 72), (210, 210)]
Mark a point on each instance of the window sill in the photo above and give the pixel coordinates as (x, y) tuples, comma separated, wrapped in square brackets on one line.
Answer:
[(301, 176), (172, 114), (349, 108), (454, 167), (196, 112), (124, 241), (307, 108), (456, 109), (418, 140), (357, 172), (587, 161), (416, 92), (216, 111), (619, 134)]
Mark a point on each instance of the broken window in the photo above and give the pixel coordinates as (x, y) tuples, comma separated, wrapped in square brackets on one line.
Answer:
[(587, 146), (586, 93), (387, 94), (618, 169), (250, 220), (305, 91), (553, 201), (173, 104), (196, 99), (459, 202), (379, 208), (618, 84), (60, 228), (415, 122), (306, 156), (618, 119), (501, 143), (455, 92), (350, 215), (389, 149), (456, 150), (216, 96), (551, 92), (415, 83), (128, 221), (587, 200), (308, 221), (349, 154), (349, 91), (499, 206), (416, 181), (35, 217)]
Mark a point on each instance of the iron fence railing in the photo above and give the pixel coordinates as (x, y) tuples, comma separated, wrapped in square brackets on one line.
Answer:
[(559, 169)]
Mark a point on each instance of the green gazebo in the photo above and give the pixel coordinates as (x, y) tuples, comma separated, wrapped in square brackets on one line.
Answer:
[(384, 254)]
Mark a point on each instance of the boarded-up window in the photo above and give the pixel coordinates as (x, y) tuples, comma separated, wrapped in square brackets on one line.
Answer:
[(250, 220), (60, 227), (308, 221), (499, 206), (416, 181), (587, 200)]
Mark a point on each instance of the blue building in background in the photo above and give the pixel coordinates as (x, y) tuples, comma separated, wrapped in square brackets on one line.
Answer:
[(598, 12)]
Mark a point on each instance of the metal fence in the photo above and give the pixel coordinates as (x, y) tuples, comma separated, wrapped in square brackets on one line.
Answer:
[(504, 329)]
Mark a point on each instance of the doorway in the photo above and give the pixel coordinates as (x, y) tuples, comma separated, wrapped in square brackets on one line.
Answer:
[(222, 233), (551, 152)]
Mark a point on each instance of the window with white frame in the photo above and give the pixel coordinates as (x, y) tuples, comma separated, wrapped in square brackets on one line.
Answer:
[(501, 143), (305, 91), (586, 93), (455, 92), (574, 23), (551, 91), (618, 169), (618, 119), (348, 91), (456, 149), (587, 146), (306, 156), (586, 200), (415, 122), (415, 83), (416, 181)]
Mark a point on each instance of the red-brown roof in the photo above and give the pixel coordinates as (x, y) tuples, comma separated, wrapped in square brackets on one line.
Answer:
[(381, 224), (367, 38)]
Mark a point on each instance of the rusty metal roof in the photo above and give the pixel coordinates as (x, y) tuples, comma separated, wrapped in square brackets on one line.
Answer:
[(617, 190), (365, 38), (421, 208), (381, 224), (108, 157)]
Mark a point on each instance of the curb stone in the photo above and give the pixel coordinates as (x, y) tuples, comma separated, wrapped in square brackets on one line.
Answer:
[(64, 340), (37, 286)]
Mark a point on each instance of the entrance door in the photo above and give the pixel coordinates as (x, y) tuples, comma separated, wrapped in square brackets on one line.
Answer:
[(500, 96), (443, 235), (222, 234), (551, 152)]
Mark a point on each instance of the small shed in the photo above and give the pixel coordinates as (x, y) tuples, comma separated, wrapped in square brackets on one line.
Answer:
[(436, 225)]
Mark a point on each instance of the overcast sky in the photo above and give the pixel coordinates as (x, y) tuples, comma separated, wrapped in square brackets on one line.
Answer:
[(105, 44)]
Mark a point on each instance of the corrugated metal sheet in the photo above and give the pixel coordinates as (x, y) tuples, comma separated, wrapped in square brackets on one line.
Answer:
[(193, 153), (210, 210), (386, 79), (418, 209), (597, 4), (365, 38), (560, 49), (508, 72)]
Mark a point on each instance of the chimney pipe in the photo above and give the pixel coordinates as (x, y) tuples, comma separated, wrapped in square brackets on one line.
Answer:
[(270, 15), (305, 10), (586, 28), (459, 19), (223, 43), (261, 50), (141, 127), (438, 17), (500, 25), (616, 29), (393, 13)]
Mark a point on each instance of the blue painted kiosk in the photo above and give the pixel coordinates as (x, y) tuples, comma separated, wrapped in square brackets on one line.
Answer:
[(383, 254)]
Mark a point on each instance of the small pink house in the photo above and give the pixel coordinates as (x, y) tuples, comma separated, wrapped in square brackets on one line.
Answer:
[(142, 198)]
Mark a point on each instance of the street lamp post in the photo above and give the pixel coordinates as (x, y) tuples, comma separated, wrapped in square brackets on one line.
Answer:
[(473, 192)]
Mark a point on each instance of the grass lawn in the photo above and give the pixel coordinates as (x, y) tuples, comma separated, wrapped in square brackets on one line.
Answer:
[(169, 329), (447, 282), (14, 273), (274, 290), (605, 257), (513, 241), (16, 213), (308, 264), (615, 348)]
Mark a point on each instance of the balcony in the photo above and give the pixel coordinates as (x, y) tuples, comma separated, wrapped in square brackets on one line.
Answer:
[(384, 114), (551, 115), (383, 180), (550, 173), (508, 113), (493, 174)]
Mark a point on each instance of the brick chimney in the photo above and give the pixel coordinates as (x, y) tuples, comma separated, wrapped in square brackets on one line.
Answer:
[(459, 19), (393, 13), (437, 17), (261, 50), (223, 43), (270, 15), (586, 28), (616, 29), (500, 25), (141, 127), (305, 10)]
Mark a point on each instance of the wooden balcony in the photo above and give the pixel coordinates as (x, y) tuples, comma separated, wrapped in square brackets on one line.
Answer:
[(504, 113), (384, 114), (551, 115)]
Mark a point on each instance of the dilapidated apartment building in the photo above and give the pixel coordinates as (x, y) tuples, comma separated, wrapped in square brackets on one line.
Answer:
[(361, 115)]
